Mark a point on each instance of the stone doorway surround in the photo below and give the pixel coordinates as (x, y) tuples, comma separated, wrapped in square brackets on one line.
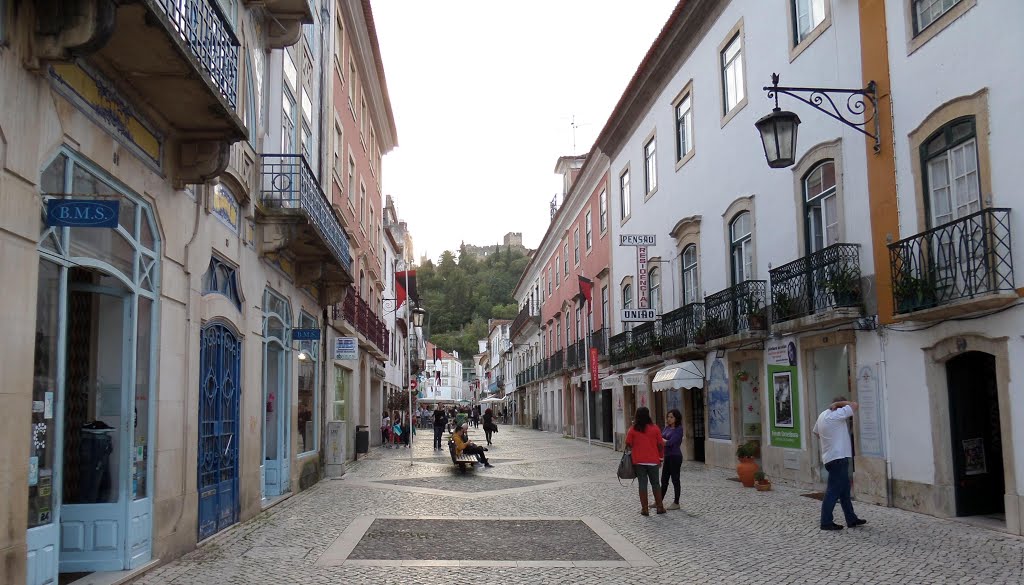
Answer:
[(943, 502)]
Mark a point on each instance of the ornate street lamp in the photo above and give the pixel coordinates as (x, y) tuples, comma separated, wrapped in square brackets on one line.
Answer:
[(417, 316), (778, 129), (778, 135)]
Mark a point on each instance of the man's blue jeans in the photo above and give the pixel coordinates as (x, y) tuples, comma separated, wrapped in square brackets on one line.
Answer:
[(838, 489), (438, 431)]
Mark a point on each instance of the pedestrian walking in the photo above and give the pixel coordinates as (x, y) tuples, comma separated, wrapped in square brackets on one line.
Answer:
[(385, 430), (476, 416), (440, 423), (489, 426), (833, 435), (648, 450), (464, 445), (673, 436)]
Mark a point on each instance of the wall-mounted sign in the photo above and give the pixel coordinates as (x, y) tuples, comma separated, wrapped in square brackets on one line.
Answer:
[(346, 348), (100, 213), (637, 239), (306, 334), (641, 278), (637, 315)]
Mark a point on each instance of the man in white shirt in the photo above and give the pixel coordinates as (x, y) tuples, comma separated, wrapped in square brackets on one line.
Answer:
[(836, 451)]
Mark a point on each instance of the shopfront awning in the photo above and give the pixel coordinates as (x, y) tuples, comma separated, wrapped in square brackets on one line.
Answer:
[(609, 382), (681, 375), (638, 376)]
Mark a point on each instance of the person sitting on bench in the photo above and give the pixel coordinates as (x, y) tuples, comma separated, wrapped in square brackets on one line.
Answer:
[(464, 445)]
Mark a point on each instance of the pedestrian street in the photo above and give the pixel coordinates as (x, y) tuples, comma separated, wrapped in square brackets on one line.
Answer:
[(552, 511)]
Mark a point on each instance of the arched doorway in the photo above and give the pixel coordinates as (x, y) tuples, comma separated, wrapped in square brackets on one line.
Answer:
[(220, 353), (90, 499), (975, 432)]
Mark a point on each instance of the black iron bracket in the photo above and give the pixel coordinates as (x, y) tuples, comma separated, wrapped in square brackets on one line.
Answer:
[(824, 99)]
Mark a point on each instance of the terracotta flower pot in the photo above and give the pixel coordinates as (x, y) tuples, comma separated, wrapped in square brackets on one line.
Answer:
[(745, 469), (764, 486)]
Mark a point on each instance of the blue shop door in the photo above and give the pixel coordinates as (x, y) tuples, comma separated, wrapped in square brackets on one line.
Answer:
[(97, 467), (276, 447), (220, 360)]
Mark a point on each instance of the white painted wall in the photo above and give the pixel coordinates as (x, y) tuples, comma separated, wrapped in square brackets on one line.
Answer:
[(729, 161)]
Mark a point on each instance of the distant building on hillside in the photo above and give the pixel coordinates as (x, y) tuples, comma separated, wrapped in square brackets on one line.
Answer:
[(512, 240)]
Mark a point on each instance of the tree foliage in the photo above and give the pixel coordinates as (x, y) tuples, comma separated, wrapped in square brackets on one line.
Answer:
[(460, 293)]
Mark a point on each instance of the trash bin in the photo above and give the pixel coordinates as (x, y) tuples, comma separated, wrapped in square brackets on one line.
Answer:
[(362, 439)]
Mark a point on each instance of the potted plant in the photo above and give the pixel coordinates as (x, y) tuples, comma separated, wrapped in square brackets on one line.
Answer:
[(783, 307), (912, 293), (757, 319), (843, 284), (700, 335), (761, 481), (745, 467)]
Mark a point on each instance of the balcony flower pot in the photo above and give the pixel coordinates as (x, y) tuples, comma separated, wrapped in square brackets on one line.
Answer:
[(783, 308), (745, 466), (843, 284)]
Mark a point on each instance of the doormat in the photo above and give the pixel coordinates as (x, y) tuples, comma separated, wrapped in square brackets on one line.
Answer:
[(814, 495)]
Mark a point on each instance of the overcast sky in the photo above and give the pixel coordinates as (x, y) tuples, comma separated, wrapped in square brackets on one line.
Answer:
[(484, 95)]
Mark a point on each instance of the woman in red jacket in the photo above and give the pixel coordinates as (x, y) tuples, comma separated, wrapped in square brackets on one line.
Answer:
[(648, 447)]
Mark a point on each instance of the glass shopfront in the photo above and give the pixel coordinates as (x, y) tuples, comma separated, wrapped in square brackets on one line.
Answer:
[(90, 460)]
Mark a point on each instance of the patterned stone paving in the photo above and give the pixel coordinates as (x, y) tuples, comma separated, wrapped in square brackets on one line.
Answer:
[(515, 540), (725, 534), (466, 483)]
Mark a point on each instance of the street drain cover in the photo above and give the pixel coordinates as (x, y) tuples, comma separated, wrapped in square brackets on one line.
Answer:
[(520, 540)]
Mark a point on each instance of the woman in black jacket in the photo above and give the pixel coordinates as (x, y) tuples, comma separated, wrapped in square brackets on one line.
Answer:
[(489, 426)]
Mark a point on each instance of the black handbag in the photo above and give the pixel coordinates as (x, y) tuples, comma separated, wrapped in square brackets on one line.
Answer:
[(626, 470)]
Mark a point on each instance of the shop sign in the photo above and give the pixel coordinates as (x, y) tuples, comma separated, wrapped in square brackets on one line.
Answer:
[(637, 239), (346, 348), (869, 415), (636, 315), (595, 373), (100, 213), (306, 335)]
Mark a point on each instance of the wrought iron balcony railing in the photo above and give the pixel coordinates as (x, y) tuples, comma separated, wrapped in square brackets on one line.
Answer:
[(620, 347), (740, 307), (202, 25), (599, 339), (824, 280), (962, 259), (683, 327), (288, 183), (361, 315), (557, 362), (647, 339), (529, 312)]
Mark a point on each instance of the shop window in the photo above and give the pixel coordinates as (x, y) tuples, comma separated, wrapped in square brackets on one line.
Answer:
[(309, 407), (220, 278)]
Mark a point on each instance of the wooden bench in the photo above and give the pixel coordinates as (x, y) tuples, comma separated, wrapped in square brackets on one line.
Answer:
[(460, 460)]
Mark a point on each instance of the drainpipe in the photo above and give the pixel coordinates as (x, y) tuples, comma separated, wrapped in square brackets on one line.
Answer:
[(885, 415), (188, 322)]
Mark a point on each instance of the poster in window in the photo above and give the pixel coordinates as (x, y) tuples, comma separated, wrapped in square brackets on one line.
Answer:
[(974, 456), (783, 396)]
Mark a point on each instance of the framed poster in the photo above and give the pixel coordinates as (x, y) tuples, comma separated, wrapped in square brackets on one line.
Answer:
[(782, 384)]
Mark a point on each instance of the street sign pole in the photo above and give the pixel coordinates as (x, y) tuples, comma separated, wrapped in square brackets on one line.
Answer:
[(408, 326)]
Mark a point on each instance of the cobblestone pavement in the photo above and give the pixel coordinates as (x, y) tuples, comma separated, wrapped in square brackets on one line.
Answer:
[(723, 534)]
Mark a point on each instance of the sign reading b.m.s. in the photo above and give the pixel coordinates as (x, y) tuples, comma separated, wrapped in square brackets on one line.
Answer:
[(100, 213), (634, 315)]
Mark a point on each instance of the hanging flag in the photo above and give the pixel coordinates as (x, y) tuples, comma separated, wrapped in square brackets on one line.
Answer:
[(401, 294), (587, 289)]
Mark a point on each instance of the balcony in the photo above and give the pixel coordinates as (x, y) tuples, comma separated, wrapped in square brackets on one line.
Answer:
[(647, 339), (576, 355), (365, 321), (530, 313), (178, 57), (620, 348), (296, 217), (284, 20), (961, 267), (818, 290), (736, 315), (683, 328), (599, 340), (556, 363)]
